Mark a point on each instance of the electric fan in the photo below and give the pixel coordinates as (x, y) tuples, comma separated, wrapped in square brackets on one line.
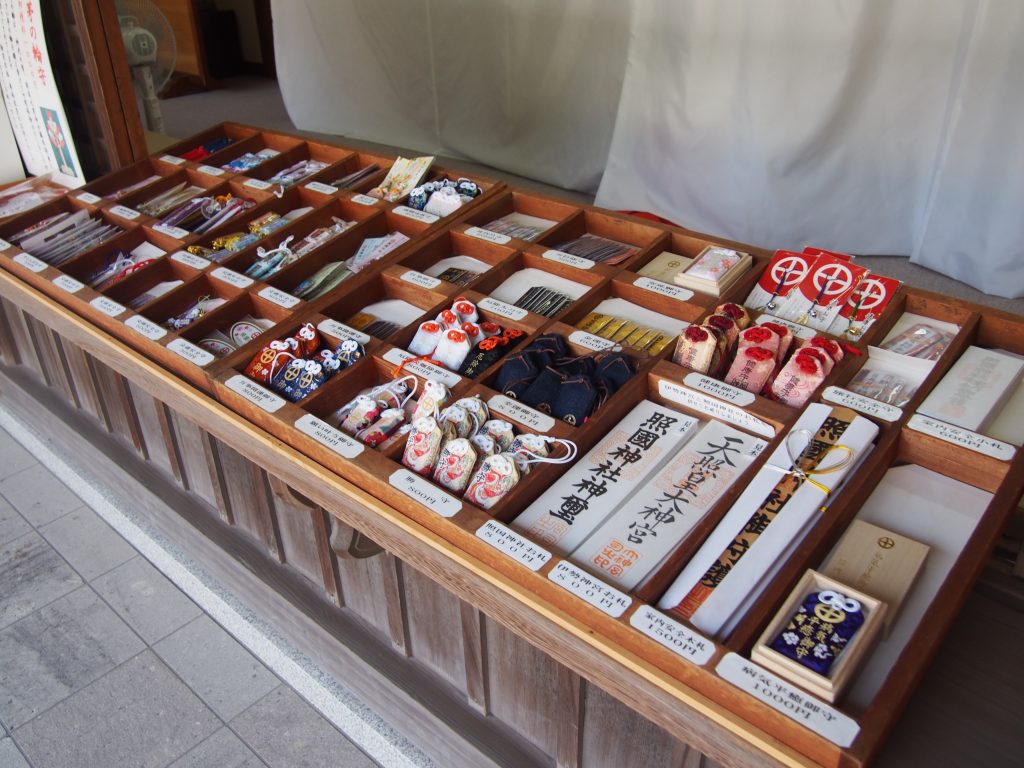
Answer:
[(149, 45)]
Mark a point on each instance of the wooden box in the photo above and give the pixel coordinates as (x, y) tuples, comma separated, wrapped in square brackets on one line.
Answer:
[(829, 687)]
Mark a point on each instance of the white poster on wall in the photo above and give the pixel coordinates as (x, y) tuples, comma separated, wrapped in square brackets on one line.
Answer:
[(30, 95)]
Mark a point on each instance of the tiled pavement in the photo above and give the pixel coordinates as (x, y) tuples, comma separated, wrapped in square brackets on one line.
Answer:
[(105, 662)]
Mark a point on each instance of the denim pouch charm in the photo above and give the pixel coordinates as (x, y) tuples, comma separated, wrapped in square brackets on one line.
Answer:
[(615, 370), (543, 390), (516, 368), (349, 352), (576, 399)]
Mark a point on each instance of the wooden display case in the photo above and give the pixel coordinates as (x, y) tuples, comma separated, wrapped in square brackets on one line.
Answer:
[(672, 674)]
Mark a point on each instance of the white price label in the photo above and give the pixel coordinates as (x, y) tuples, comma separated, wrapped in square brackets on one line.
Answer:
[(412, 213), (326, 435), (257, 184), (147, 328), (323, 189), (107, 306), (172, 159), (824, 720), (69, 284), (800, 331), (421, 280), (719, 389), (124, 212), (365, 200), (592, 590), (678, 638), (279, 297), (189, 351), (342, 331), (397, 356), (29, 262), (254, 393), (590, 341), (663, 289), (524, 414), (519, 548), (502, 309), (866, 405), (176, 232), (4, 245), (89, 198), (209, 170), (486, 234), (700, 402), (568, 259), (965, 438), (231, 277), (190, 260), (423, 492)]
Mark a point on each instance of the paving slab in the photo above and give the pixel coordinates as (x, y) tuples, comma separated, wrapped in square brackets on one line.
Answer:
[(146, 599), (32, 574), (12, 524), (214, 665), (140, 714), (90, 545), (10, 757), (298, 737), (57, 650), (223, 750), (38, 495), (13, 458)]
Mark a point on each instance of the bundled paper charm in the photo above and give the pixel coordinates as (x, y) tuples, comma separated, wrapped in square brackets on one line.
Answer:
[(770, 518)]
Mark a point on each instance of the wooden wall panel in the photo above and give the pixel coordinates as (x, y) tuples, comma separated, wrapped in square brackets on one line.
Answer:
[(297, 523), (17, 322), (120, 409), (435, 628), (83, 380), (198, 474), (372, 592), (526, 689), (158, 441), (613, 734), (248, 497)]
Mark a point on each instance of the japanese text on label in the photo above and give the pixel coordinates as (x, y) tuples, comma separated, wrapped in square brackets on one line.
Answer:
[(418, 278), (997, 449), (422, 492), (486, 234), (147, 328), (190, 260), (524, 414), (594, 591), (69, 284), (568, 259), (719, 389), (232, 277), (519, 548), (326, 435), (663, 289), (107, 306), (279, 297), (501, 308), (254, 393), (715, 408), (818, 716), (412, 213), (189, 351), (30, 262), (677, 638), (866, 405)]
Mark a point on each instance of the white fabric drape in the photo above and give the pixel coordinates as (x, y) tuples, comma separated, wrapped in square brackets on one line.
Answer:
[(859, 125)]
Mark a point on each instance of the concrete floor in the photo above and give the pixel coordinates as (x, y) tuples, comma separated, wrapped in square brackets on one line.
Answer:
[(105, 662)]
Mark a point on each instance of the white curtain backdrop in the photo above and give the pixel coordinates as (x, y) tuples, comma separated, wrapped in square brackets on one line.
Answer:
[(868, 126)]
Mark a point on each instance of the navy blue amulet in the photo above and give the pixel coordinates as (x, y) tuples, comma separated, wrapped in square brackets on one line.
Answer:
[(822, 627)]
